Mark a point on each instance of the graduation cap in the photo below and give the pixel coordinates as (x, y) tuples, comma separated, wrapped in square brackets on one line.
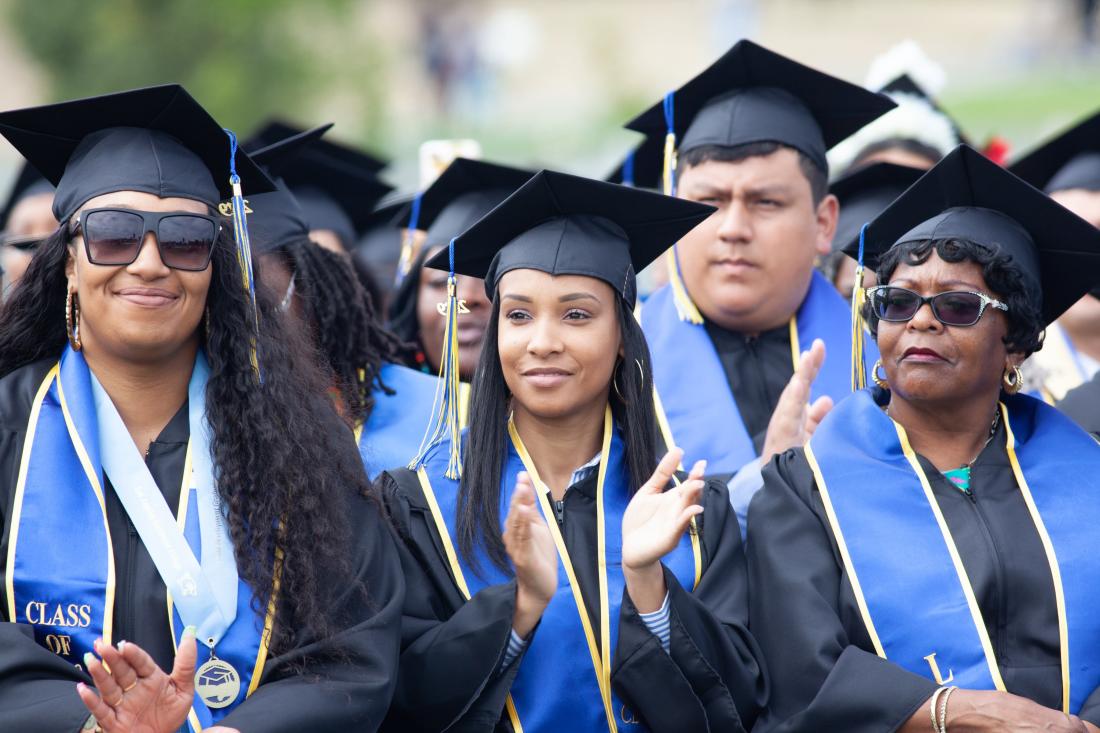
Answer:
[(277, 218), (905, 85), (158, 140), (336, 185), (562, 225), (28, 182), (967, 196), (643, 166), (466, 191), (865, 192), (1069, 160), (753, 95), (567, 225)]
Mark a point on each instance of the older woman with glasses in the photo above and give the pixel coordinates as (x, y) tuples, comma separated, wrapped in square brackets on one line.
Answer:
[(927, 560)]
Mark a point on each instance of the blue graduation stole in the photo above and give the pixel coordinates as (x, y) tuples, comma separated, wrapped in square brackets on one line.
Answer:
[(559, 686), (909, 581), (700, 411), (60, 571), (393, 432)]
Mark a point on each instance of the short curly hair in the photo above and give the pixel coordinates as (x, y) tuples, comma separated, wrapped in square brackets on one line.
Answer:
[(1003, 276)]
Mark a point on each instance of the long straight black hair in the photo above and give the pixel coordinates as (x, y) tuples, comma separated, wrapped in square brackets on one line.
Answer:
[(486, 445)]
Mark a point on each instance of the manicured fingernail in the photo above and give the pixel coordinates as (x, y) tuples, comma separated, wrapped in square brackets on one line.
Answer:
[(190, 631), (88, 659), (121, 643)]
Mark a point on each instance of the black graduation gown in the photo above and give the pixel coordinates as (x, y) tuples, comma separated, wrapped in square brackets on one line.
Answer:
[(824, 672), (757, 369), (1082, 405), (38, 688), (452, 650)]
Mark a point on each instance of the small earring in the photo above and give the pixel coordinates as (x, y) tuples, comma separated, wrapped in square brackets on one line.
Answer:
[(1013, 380), (72, 320), (879, 380)]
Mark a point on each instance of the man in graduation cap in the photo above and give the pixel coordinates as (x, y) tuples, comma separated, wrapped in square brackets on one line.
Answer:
[(744, 299), (863, 194), (466, 191), (27, 218), (1067, 168)]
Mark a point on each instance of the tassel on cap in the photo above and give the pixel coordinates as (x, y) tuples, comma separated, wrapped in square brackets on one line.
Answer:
[(445, 422), (685, 307), (408, 241), (244, 252), (859, 331)]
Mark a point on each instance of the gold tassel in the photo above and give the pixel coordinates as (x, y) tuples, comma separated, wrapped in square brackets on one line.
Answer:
[(446, 413), (859, 297)]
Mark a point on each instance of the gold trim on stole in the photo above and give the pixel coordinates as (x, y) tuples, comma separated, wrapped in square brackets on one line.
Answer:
[(964, 579), (456, 570), (20, 489), (602, 670), (1052, 558), (97, 487)]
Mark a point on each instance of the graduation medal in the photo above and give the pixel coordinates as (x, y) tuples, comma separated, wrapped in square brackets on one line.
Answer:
[(217, 683)]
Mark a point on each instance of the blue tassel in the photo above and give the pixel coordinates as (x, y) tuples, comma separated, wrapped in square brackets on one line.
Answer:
[(628, 170), (408, 250), (244, 252)]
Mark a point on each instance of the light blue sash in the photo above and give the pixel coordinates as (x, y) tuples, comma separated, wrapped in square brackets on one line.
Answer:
[(910, 584), (557, 687), (695, 394), (60, 566), (392, 433)]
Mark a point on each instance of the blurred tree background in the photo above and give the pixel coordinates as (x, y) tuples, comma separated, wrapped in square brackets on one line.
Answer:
[(229, 53)]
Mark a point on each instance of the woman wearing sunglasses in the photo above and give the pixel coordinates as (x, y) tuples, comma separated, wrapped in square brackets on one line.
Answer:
[(563, 583), (185, 542), (928, 560)]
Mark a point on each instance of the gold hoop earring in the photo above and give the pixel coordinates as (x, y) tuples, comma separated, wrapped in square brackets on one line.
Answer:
[(72, 320), (1013, 380), (879, 380), (615, 386)]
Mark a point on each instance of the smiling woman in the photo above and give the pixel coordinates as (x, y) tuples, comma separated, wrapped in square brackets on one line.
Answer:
[(927, 554), (171, 472), (562, 583)]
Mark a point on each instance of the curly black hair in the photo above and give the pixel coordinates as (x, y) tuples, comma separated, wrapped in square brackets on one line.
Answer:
[(341, 316), (1003, 276), (281, 485)]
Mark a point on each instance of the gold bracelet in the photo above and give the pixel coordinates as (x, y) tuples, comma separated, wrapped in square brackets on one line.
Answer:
[(932, 709), (943, 708)]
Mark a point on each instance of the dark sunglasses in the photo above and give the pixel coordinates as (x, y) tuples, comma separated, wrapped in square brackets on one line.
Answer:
[(114, 236), (953, 308)]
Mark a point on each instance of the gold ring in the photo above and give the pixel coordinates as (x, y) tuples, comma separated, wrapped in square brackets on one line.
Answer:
[(132, 686), (116, 703)]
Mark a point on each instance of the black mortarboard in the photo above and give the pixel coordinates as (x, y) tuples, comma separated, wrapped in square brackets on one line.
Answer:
[(643, 166), (466, 191), (277, 218), (28, 182), (967, 196), (1069, 160), (276, 130), (158, 140), (567, 225), (865, 192), (753, 95), (336, 185)]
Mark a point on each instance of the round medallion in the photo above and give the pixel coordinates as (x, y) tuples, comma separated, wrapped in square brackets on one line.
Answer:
[(217, 683)]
